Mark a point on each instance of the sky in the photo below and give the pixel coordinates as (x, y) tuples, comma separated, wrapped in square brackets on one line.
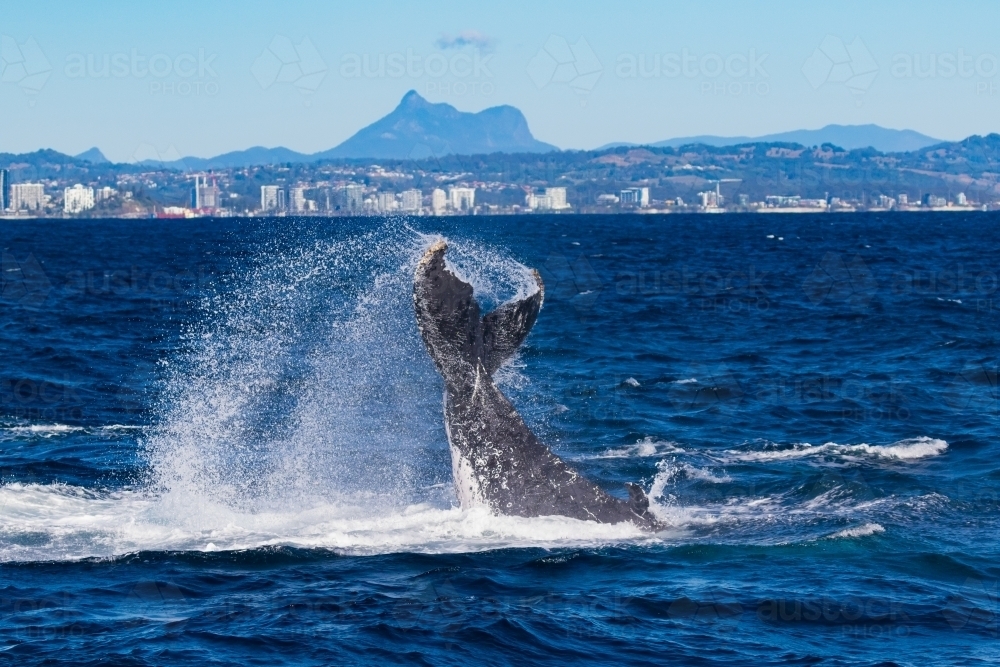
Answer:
[(162, 80)]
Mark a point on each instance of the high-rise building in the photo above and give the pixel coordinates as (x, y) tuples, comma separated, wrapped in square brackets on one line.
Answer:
[(269, 197), (635, 196), (78, 199), (557, 197), (385, 202), (411, 200), (903, 199), (282, 201), (354, 197), (709, 199), (462, 199), (298, 200), (105, 193), (27, 196), (4, 189), (554, 199), (887, 202), (439, 201), (961, 199)]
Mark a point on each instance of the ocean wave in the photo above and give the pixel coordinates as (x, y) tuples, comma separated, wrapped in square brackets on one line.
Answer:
[(858, 531), (61, 522), (645, 448), (42, 430), (909, 449), (704, 475), (55, 430)]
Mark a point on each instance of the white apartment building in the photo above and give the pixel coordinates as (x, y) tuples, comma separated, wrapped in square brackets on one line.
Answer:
[(385, 202), (297, 200), (411, 200), (554, 199), (105, 193), (439, 201), (639, 196), (269, 197), (462, 199), (78, 199), (354, 197), (27, 196)]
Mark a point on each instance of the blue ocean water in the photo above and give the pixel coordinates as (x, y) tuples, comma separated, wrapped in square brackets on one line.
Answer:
[(221, 442)]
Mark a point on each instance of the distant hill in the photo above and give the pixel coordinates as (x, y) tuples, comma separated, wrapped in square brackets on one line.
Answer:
[(414, 129), (93, 156), (236, 159), (417, 129), (850, 137)]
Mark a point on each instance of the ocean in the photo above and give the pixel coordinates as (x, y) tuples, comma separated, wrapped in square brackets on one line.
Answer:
[(221, 442)]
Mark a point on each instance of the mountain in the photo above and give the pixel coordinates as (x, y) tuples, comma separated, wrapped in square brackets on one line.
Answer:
[(850, 137), (93, 156), (417, 129), (257, 155), (414, 129)]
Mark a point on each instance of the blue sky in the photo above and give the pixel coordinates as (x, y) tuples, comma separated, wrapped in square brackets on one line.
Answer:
[(140, 80)]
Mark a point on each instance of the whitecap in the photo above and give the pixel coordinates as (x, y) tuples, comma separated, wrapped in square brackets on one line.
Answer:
[(858, 531), (643, 448), (909, 449), (44, 430)]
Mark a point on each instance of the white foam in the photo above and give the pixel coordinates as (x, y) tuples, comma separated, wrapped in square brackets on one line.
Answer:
[(647, 447), (686, 381), (632, 382), (42, 430), (858, 531), (910, 449), (60, 522), (704, 475)]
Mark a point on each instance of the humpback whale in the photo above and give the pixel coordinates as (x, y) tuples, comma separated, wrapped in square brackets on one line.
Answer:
[(497, 462)]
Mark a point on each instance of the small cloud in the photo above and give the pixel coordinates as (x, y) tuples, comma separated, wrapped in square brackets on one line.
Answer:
[(463, 39)]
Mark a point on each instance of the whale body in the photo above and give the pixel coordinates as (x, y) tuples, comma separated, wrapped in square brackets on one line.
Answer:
[(497, 462)]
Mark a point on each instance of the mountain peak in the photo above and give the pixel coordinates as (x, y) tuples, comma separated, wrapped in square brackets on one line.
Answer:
[(417, 129), (412, 99), (94, 156)]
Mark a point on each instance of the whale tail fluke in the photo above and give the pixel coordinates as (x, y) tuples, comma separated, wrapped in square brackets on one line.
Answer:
[(505, 329), (459, 341)]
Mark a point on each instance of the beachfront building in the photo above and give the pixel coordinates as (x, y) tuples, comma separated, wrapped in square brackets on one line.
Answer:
[(439, 201), (269, 199), (27, 197), (462, 199), (78, 199), (635, 197), (411, 200), (554, 199)]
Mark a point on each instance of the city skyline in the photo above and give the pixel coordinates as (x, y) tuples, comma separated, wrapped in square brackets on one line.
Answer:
[(156, 83)]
